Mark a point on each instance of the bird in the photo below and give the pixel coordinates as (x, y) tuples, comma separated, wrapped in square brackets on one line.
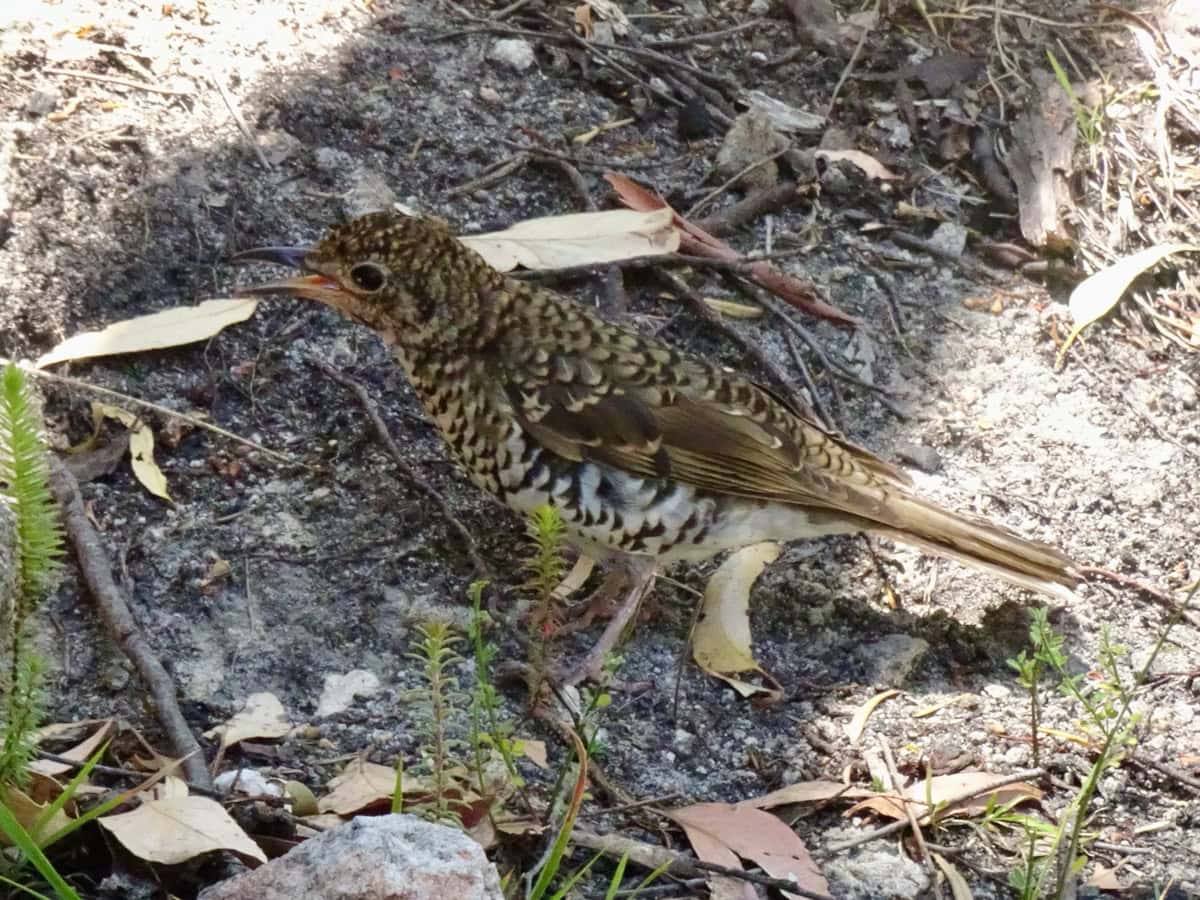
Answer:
[(651, 455)]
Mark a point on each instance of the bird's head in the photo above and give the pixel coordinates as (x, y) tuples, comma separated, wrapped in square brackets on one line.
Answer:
[(408, 278)]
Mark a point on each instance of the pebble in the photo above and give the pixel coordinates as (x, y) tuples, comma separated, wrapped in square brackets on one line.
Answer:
[(997, 691), (515, 53)]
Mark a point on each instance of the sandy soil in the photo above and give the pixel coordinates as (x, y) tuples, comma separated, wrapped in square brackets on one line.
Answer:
[(122, 201)]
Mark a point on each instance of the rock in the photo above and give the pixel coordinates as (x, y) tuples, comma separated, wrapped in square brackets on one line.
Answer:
[(997, 691), (950, 238), (892, 658), (278, 145), (340, 690), (372, 858), (871, 872), (750, 139), (759, 7), (922, 456), (41, 102), (515, 53), (331, 160), (369, 192)]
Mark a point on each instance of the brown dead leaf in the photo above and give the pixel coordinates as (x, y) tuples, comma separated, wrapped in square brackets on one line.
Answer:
[(141, 447), (865, 161), (177, 829), (362, 785), (807, 792), (721, 642), (553, 242), (942, 788), (695, 240), (26, 811), (856, 726), (80, 752), (721, 832), (1104, 879), (262, 716)]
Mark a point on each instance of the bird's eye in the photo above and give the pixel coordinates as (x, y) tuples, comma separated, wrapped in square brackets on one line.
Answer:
[(368, 277)]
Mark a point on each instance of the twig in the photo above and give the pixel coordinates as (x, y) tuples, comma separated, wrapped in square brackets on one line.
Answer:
[(114, 79), (704, 36), (118, 772), (908, 811), (714, 194), (750, 208), (834, 423), (507, 11), (837, 88), (96, 569), (494, 175), (1162, 597), (162, 410), (652, 857), (1168, 770), (893, 827), (236, 113), (381, 431)]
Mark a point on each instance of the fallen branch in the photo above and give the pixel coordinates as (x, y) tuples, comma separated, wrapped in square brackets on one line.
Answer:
[(96, 569)]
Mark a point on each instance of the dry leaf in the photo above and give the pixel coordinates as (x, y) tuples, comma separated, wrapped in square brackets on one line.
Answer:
[(178, 829), (575, 578), (865, 161), (718, 831), (733, 310), (263, 716), (1103, 879), (958, 885), (553, 242), (141, 447), (1099, 292), (721, 642), (168, 328), (942, 788), (27, 811), (80, 752), (854, 730), (361, 785), (535, 752), (807, 792)]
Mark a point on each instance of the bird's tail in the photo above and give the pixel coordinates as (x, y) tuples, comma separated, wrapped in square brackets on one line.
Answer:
[(981, 545)]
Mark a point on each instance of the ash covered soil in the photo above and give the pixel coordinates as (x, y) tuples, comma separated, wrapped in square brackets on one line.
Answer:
[(122, 201)]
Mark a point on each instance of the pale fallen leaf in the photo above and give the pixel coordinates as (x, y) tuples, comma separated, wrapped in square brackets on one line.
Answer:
[(926, 711), (535, 752), (27, 811), (719, 831), (586, 137), (958, 885), (575, 578), (855, 728), (168, 328), (941, 789), (175, 830), (733, 310), (362, 784), (609, 11), (262, 716), (80, 752), (141, 447), (554, 242), (1103, 879), (806, 792), (865, 161), (721, 641), (1099, 292)]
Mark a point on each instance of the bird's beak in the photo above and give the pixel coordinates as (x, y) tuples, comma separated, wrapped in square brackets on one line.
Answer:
[(313, 286)]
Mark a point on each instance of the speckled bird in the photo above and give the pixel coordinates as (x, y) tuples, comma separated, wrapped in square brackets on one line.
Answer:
[(651, 455)]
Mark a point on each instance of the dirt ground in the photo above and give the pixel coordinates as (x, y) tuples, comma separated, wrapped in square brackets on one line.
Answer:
[(116, 200)]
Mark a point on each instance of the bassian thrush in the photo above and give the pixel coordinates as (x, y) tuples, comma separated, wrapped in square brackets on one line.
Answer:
[(651, 455)]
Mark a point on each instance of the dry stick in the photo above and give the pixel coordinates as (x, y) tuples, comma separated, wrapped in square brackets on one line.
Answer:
[(834, 424), (750, 208), (236, 113), (703, 36), (892, 828), (908, 811), (1162, 597), (496, 174), (714, 194), (837, 88), (162, 410), (116, 771), (122, 82), (96, 569), (651, 857), (1168, 770), (381, 430)]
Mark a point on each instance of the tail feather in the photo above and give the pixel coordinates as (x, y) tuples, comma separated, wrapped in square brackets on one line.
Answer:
[(981, 545)]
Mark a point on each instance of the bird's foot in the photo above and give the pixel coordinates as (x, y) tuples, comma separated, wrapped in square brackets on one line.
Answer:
[(638, 583)]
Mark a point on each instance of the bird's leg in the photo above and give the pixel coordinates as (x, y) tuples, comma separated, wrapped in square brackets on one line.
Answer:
[(638, 576), (600, 604)]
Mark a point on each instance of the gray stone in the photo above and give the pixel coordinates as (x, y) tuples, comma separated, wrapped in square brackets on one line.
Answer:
[(750, 139), (892, 658), (515, 53), (372, 858), (872, 872), (922, 456), (340, 691), (369, 192)]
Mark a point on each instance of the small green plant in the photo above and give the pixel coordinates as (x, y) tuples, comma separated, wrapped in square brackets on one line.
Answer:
[(1087, 119), (488, 729), (24, 490), (545, 570), (1055, 852)]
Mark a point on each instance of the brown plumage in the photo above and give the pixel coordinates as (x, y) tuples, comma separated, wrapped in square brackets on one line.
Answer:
[(650, 454)]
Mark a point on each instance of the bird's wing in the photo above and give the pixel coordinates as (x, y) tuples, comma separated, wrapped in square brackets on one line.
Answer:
[(637, 406)]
